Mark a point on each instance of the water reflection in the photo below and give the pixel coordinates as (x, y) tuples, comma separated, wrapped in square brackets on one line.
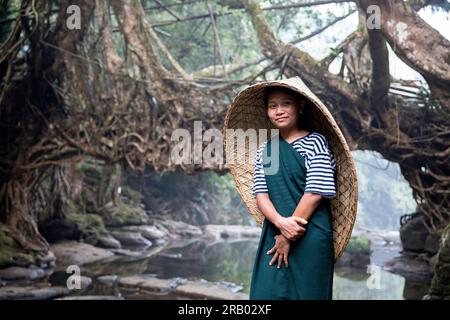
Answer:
[(233, 262)]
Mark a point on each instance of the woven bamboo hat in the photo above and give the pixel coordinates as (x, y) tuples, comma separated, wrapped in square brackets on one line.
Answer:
[(248, 111)]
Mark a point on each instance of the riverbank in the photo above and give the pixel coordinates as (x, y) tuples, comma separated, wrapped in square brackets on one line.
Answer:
[(51, 280), (182, 261)]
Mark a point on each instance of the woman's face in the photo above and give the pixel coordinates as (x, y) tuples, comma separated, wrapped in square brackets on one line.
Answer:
[(283, 110)]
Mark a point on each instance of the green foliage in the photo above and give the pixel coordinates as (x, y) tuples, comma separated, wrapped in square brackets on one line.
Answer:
[(358, 244)]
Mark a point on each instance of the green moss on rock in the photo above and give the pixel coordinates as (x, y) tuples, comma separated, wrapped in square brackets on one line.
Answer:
[(11, 253), (358, 244), (440, 285), (123, 214), (89, 224)]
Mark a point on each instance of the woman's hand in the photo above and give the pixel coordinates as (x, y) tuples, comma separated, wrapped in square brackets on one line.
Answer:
[(281, 249), (291, 227)]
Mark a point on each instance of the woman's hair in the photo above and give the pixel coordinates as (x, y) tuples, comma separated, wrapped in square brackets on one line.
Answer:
[(306, 114)]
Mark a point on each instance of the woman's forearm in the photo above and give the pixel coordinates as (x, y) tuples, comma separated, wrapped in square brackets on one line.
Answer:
[(267, 208), (307, 204)]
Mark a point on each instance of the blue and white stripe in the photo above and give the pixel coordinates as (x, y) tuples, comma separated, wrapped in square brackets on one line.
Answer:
[(319, 161)]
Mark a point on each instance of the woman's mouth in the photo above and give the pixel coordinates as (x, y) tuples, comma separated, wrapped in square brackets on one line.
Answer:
[(280, 119)]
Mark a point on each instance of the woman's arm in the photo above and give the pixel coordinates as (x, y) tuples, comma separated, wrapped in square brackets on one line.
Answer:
[(290, 227), (307, 204)]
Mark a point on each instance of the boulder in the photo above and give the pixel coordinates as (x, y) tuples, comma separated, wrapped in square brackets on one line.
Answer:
[(146, 282), (179, 228), (231, 232), (131, 239), (108, 242), (409, 264), (147, 231), (78, 253), (47, 261), (432, 243), (32, 293), (21, 274), (128, 253), (108, 280), (91, 298), (208, 290), (413, 235), (354, 259)]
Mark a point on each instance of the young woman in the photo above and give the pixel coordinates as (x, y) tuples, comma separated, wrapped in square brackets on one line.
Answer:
[(294, 259)]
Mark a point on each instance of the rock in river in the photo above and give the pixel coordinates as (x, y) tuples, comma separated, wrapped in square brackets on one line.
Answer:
[(149, 232), (91, 298), (21, 274), (78, 253), (145, 282), (208, 290), (131, 239), (32, 293)]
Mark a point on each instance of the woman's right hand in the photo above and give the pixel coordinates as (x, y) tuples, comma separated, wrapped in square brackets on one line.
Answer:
[(291, 227)]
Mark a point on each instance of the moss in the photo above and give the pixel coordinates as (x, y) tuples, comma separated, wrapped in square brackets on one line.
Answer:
[(132, 194), (358, 244), (11, 253), (90, 224), (440, 285), (123, 214)]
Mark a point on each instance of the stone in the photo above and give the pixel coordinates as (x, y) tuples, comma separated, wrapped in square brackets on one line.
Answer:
[(59, 229), (109, 280), (149, 232), (127, 253), (432, 243), (179, 228), (78, 253), (409, 265), (91, 298), (131, 239), (21, 274), (146, 282), (413, 235), (32, 293), (358, 259), (108, 242), (208, 290), (231, 231)]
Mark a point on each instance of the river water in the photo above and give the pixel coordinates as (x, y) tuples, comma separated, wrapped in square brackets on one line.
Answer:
[(231, 263)]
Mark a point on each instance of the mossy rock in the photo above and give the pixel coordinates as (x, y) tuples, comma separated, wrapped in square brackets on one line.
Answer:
[(11, 253), (91, 225), (134, 195), (123, 214), (358, 244), (440, 285)]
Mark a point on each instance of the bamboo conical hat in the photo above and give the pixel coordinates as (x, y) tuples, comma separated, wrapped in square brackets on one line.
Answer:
[(248, 111)]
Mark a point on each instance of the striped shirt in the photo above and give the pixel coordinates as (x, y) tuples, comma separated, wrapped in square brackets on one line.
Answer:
[(319, 161)]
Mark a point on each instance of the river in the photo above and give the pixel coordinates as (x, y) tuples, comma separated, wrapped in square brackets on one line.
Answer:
[(231, 264)]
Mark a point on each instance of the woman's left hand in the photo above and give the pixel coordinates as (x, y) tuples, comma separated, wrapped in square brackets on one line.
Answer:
[(281, 249)]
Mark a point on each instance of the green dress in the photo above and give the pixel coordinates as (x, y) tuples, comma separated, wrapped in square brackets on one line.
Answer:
[(311, 257)]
